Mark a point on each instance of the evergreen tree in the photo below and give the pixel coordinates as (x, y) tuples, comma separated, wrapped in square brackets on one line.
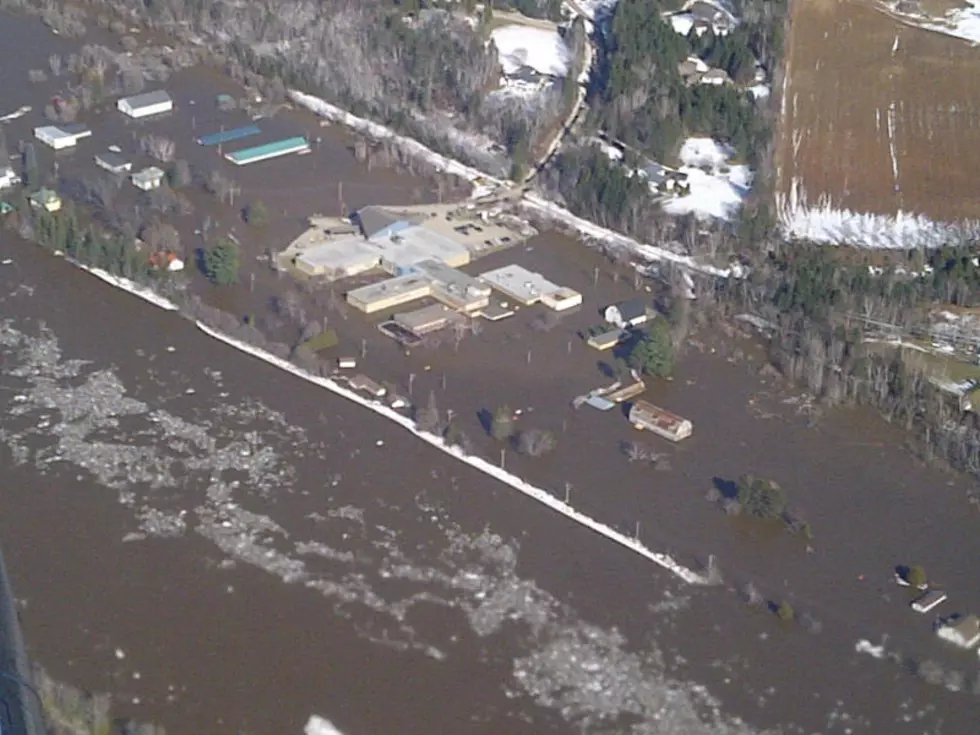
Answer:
[(221, 263), (653, 353)]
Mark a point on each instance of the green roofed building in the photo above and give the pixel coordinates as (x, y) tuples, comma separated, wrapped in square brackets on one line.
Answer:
[(278, 148)]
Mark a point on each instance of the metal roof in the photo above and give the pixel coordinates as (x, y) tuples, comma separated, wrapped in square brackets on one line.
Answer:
[(147, 99)]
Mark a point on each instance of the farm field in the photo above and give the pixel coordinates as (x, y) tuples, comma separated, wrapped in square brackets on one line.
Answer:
[(878, 118)]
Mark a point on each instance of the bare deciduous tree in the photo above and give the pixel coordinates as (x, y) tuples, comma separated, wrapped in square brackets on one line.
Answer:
[(162, 236), (158, 147), (54, 63), (223, 188), (536, 442), (428, 418), (37, 76)]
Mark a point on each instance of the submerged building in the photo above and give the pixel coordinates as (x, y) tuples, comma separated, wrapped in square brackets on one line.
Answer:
[(646, 416), (60, 137), (146, 104)]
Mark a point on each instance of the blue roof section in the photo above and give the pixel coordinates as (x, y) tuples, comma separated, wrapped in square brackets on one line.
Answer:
[(393, 229), (226, 136)]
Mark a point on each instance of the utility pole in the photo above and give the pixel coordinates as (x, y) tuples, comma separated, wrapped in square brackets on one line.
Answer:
[(503, 459), (411, 382), (636, 536), (340, 196), (568, 492), (363, 348)]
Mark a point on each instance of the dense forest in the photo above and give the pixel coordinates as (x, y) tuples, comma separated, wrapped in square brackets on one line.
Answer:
[(639, 96), (822, 308)]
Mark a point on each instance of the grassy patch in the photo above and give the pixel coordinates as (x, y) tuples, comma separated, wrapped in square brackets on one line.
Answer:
[(325, 340)]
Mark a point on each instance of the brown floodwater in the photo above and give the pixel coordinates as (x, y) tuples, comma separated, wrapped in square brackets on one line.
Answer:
[(225, 650)]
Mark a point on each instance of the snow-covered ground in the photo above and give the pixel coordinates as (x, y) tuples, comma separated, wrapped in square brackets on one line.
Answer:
[(717, 187), (760, 91), (520, 46), (825, 222), (961, 23), (593, 9)]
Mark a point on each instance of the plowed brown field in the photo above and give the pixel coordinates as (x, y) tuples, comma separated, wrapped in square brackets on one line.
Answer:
[(878, 116)]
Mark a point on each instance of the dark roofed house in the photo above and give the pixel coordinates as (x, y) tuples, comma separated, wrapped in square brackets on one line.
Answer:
[(705, 15), (113, 162), (627, 314), (527, 74), (663, 178)]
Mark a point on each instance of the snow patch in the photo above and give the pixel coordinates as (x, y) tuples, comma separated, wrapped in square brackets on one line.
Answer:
[(704, 152), (317, 725), (593, 9), (716, 187), (824, 222), (760, 91), (520, 46), (963, 23)]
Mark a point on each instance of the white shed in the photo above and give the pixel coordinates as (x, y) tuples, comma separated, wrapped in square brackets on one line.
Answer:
[(60, 137), (146, 104), (627, 314)]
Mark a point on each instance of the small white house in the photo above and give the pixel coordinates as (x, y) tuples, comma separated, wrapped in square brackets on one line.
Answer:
[(962, 631), (148, 178), (146, 104), (715, 77), (60, 137), (8, 178), (627, 314)]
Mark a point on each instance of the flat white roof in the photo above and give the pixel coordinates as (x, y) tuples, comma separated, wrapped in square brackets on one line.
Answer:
[(339, 254), (452, 280), (55, 132), (414, 244), (391, 287), (522, 283)]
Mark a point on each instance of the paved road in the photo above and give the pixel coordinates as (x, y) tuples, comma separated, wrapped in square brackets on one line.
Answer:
[(19, 706)]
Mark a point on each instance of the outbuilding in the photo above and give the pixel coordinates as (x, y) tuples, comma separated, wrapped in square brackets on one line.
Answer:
[(46, 199), (961, 631), (113, 163), (928, 601), (60, 137), (627, 314), (148, 178), (646, 416), (146, 104), (8, 177)]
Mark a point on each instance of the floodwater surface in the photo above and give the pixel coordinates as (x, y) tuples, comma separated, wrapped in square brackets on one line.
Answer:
[(227, 548)]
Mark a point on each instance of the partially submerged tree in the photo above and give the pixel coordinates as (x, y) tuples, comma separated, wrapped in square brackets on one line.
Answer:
[(917, 576), (502, 425), (221, 263), (256, 214), (653, 353), (760, 497), (536, 442), (428, 419)]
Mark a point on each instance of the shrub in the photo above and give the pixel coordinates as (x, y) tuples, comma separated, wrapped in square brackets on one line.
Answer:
[(760, 497), (653, 353), (917, 576), (502, 426), (785, 611), (535, 442)]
